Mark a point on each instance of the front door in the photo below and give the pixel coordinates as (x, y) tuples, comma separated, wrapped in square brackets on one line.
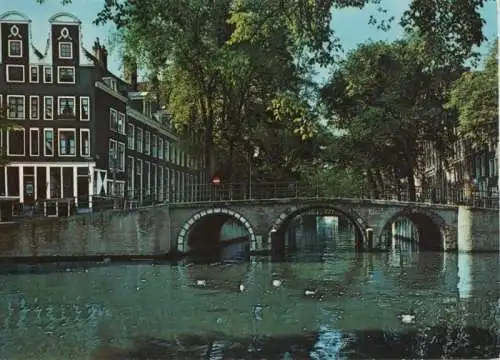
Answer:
[(29, 190)]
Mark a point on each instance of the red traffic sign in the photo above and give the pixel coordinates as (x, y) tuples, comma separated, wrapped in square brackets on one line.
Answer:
[(216, 180)]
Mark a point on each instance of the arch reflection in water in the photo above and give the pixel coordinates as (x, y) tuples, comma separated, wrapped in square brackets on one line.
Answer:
[(152, 311)]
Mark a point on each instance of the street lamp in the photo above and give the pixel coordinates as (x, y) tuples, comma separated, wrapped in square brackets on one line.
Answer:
[(255, 154)]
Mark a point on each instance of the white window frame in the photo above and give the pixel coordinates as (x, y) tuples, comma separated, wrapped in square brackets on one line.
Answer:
[(37, 74), (138, 130), (52, 108), (33, 130), (24, 107), (154, 146), (45, 68), (37, 98), (59, 142), (46, 130), (130, 186), (160, 147), (122, 162), (24, 142), (59, 98), (71, 48), (121, 117), (7, 67), (59, 68), (87, 98), (147, 144), (111, 112), (111, 163), (82, 131), (9, 54), (130, 136)]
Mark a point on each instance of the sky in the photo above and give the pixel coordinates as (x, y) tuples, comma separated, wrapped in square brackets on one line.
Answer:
[(350, 25)]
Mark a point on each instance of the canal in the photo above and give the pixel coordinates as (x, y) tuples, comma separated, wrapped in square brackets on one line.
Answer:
[(324, 301)]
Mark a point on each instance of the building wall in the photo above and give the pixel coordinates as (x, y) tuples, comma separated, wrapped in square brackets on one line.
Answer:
[(81, 154), (112, 233)]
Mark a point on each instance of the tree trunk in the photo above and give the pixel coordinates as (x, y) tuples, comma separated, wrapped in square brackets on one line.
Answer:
[(230, 160)]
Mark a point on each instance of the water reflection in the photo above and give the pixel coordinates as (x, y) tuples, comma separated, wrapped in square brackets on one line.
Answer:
[(343, 305)]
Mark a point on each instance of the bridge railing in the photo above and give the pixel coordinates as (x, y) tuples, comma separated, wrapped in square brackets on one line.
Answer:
[(290, 190)]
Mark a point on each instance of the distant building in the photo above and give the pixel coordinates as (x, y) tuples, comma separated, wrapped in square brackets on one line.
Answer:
[(82, 133), (466, 176)]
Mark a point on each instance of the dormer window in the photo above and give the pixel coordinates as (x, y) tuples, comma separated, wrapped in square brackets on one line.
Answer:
[(15, 49), (111, 83), (147, 108), (65, 50)]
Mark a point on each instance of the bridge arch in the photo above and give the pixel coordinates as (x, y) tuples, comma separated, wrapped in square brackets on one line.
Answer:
[(432, 229), (183, 236), (280, 224)]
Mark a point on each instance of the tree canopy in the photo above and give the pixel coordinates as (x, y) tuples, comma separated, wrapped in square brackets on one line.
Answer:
[(475, 96), (240, 73)]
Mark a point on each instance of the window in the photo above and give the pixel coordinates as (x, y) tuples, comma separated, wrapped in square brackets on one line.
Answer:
[(112, 154), (47, 74), (48, 140), (65, 50), (154, 148), (66, 106), (15, 104), (130, 136), (138, 167), (67, 143), (147, 169), (147, 108), (120, 124), (15, 142), (160, 147), (111, 83), (166, 148), (48, 104), (33, 74), (65, 74), (85, 142), (34, 107), (139, 144), (121, 156), (34, 142), (147, 143), (15, 48), (84, 108), (113, 119), (15, 73)]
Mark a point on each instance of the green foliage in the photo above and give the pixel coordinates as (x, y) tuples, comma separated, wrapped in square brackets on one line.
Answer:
[(475, 96), (390, 102)]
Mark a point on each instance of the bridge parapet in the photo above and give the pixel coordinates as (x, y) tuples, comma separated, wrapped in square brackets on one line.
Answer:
[(202, 193)]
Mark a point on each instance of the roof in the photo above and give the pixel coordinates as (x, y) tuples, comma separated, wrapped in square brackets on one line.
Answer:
[(40, 53)]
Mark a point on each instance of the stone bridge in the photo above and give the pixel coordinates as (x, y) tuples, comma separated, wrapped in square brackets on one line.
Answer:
[(162, 229), (437, 224)]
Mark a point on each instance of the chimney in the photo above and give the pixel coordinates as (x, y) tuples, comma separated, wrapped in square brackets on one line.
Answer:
[(101, 54), (130, 71)]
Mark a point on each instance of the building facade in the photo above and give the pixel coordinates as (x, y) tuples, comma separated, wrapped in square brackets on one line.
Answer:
[(467, 175), (77, 133)]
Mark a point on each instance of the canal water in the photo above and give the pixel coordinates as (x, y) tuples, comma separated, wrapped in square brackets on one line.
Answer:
[(322, 302)]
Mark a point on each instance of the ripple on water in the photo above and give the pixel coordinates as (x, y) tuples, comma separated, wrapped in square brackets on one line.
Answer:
[(354, 310)]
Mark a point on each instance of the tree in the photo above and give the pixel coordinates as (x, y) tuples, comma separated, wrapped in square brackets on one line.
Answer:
[(475, 96), (389, 102)]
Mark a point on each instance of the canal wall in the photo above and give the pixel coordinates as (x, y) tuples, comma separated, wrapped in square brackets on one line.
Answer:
[(134, 232), (478, 229)]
